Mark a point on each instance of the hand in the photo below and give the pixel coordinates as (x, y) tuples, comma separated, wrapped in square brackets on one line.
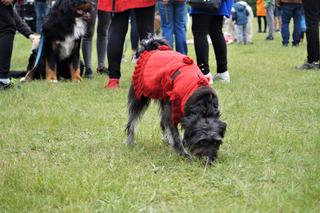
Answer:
[(35, 38), (6, 2)]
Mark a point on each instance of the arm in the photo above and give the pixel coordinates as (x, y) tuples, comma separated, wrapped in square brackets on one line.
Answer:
[(22, 27)]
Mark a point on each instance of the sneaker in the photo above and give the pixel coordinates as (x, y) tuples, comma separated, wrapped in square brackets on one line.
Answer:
[(4, 86), (102, 70), (113, 83), (269, 38), (88, 73), (308, 66), (209, 77), (222, 77)]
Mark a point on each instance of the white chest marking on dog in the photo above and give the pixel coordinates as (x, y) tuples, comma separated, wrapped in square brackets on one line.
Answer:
[(68, 44)]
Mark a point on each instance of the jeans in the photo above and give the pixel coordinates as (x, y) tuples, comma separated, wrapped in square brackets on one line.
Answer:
[(288, 11), (6, 44), (312, 15), (42, 10), (173, 24)]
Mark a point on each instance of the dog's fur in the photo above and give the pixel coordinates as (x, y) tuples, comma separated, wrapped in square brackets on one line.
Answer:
[(62, 31), (203, 129)]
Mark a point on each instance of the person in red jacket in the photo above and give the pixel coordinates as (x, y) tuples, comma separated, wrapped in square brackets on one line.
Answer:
[(144, 11)]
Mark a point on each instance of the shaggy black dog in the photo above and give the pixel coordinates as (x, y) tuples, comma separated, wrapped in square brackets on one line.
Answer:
[(200, 116), (62, 33)]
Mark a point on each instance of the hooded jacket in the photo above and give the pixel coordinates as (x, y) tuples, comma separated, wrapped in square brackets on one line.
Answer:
[(122, 5)]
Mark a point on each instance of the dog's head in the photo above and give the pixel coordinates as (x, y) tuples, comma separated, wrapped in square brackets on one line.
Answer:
[(203, 129), (80, 8)]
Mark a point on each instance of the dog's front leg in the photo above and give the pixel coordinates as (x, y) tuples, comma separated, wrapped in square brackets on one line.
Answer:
[(170, 130), (75, 63), (51, 69)]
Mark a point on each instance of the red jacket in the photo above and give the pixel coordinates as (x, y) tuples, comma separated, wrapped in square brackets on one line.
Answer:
[(122, 5), (162, 74)]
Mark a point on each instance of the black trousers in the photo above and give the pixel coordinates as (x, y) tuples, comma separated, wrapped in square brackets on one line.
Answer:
[(312, 15), (117, 33), (202, 25), (7, 31)]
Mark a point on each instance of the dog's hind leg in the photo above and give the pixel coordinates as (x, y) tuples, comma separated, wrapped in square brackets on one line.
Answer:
[(170, 131), (136, 109)]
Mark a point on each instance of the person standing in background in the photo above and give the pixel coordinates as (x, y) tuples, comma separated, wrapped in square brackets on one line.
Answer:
[(144, 11), (104, 19), (10, 21), (290, 9), (261, 14), (210, 23), (173, 23), (270, 5), (312, 16)]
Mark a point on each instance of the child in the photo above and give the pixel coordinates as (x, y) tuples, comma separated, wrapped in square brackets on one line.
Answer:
[(240, 16)]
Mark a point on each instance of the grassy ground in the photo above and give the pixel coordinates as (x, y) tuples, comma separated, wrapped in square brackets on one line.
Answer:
[(61, 144)]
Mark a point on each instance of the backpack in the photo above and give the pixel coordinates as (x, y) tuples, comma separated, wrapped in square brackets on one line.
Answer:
[(241, 14)]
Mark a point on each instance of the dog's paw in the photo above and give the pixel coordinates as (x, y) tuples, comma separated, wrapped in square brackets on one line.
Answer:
[(53, 81)]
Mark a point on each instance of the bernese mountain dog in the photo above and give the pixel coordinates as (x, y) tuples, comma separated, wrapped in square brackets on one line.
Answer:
[(62, 32)]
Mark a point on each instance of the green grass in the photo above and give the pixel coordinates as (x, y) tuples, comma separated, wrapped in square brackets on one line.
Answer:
[(61, 145)]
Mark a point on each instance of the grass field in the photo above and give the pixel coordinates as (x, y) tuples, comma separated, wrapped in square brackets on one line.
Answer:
[(61, 145)]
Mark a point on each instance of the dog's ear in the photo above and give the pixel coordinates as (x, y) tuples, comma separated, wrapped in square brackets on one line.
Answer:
[(151, 43)]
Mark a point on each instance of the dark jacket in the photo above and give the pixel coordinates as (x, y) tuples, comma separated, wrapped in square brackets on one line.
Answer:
[(10, 21)]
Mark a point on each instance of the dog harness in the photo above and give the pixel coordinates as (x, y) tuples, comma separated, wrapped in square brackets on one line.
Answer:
[(165, 74)]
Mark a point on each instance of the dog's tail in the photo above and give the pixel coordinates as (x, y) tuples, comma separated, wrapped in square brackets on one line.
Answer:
[(151, 43)]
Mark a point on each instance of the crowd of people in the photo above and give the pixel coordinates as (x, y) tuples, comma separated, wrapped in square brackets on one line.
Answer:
[(113, 18)]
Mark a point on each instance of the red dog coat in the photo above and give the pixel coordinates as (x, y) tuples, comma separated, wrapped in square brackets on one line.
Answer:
[(162, 74)]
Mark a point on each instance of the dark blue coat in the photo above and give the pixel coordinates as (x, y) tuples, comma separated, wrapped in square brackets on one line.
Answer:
[(224, 10)]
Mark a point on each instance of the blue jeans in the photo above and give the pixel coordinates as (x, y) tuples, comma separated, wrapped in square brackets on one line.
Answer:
[(288, 11), (173, 23), (42, 10)]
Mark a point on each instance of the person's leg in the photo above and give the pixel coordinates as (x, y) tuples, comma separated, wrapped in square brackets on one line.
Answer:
[(38, 16), (134, 36), (116, 36), (244, 34), (239, 34), (286, 15), (296, 36), (104, 20), (6, 44), (259, 24), (180, 28), (145, 21), (270, 20), (167, 20), (311, 11), (87, 44), (200, 25), (265, 24), (218, 42)]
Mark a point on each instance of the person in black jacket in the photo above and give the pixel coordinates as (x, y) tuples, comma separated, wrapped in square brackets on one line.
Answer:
[(10, 21)]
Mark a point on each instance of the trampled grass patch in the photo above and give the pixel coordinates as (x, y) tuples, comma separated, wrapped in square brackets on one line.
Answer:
[(61, 145)]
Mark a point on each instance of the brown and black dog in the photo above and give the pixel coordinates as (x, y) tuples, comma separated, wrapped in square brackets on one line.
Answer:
[(62, 32)]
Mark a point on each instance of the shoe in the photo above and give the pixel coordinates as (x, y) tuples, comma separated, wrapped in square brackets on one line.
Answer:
[(4, 86), (209, 77), (269, 38), (88, 73), (295, 44), (222, 77), (102, 70), (285, 45), (308, 66), (113, 83)]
